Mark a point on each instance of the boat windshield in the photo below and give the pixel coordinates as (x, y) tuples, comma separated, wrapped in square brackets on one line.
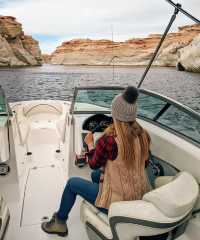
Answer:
[(152, 107), (94, 100)]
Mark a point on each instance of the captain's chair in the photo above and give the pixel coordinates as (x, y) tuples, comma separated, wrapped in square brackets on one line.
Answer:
[(160, 211)]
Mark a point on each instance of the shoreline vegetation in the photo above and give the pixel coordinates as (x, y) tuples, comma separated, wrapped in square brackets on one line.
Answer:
[(181, 49)]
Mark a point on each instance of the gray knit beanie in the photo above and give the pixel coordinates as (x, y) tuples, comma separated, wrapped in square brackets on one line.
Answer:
[(124, 107)]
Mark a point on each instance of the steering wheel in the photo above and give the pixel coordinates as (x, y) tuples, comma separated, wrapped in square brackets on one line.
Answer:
[(97, 123)]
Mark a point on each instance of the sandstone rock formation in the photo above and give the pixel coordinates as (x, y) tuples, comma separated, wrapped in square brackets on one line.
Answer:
[(190, 56), (134, 52), (171, 53), (17, 49), (46, 58)]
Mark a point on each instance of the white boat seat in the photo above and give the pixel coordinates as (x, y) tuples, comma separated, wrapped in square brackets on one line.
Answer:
[(171, 199), (92, 215), (160, 181), (40, 111), (160, 211), (32, 108)]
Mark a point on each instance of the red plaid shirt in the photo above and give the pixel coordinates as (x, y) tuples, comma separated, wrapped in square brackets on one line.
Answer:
[(106, 148)]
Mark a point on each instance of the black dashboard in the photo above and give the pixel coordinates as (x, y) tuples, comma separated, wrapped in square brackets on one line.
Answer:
[(97, 123)]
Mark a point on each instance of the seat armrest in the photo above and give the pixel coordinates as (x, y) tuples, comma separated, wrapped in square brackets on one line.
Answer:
[(130, 219), (160, 181), (90, 215), (139, 209)]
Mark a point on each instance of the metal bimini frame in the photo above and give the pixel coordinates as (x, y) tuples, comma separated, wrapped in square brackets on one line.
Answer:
[(178, 8)]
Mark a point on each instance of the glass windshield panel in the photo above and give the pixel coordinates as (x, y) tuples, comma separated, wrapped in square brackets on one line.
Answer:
[(95, 99), (149, 106), (181, 122)]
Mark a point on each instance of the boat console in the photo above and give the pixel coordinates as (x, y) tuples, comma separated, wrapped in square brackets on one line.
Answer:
[(97, 123)]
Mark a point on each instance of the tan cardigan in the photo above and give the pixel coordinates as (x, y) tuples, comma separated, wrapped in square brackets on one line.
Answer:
[(120, 183)]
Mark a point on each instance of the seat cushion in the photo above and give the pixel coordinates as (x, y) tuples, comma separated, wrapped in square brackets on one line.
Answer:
[(90, 214), (160, 181), (177, 198)]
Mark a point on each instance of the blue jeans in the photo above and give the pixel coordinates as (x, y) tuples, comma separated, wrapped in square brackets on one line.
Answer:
[(84, 188), (95, 176)]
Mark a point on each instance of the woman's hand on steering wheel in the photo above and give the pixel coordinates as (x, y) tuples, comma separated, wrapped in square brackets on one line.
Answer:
[(89, 140)]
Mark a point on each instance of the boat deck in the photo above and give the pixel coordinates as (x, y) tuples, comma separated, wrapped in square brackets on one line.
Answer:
[(36, 196)]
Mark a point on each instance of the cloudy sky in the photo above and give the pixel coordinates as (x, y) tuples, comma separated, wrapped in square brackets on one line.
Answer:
[(54, 21)]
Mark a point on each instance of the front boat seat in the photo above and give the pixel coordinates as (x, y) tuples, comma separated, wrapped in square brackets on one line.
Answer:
[(160, 211)]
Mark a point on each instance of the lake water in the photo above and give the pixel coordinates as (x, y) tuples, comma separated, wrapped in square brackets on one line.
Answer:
[(57, 82)]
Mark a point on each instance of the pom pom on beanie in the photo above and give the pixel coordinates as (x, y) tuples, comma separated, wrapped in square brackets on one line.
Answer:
[(124, 107), (130, 94)]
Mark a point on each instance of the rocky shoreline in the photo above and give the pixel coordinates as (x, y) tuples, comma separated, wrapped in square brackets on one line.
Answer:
[(16, 48), (181, 49)]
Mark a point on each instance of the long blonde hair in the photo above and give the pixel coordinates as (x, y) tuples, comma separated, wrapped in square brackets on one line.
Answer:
[(134, 141)]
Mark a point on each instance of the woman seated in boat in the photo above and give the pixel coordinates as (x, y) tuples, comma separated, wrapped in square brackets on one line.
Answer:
[(121, 154)]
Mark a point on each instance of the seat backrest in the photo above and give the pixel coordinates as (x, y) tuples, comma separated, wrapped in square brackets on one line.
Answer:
[(37, 107), (177, 198)]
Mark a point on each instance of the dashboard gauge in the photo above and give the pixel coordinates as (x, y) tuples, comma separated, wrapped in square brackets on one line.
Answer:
[(104, 124), (92, 125), (97, 123)]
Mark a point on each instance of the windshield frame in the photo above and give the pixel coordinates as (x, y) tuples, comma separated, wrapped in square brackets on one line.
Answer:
[(169, 102)]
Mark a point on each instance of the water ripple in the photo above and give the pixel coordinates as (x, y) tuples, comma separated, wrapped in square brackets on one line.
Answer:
[(57, 82)]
